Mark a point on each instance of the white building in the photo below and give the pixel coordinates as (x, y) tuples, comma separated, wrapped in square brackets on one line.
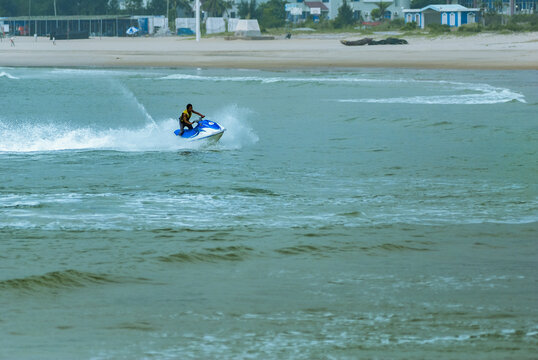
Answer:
[(360, 8)]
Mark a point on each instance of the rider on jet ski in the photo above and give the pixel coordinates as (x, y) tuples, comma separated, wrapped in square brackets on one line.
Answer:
[(184, 119)]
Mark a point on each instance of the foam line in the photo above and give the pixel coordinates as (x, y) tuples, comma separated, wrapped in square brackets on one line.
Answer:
[(485, 95)]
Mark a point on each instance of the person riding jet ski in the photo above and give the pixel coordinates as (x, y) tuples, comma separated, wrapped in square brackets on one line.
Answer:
[(184, 119)]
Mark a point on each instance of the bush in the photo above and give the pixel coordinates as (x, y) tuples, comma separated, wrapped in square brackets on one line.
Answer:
[(514, 26), (438, 28), (397, 23), (409, 26), (471, 28), (492, 20), (494, 27), (531, 19)]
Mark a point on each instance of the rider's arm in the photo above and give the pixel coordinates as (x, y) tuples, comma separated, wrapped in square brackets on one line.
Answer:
[(197, 113)]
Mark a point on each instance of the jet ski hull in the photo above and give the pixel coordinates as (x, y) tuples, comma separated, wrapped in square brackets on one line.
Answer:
[(207, 131)]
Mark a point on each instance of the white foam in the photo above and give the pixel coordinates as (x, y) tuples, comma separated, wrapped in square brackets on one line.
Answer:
[(152, 136), (53, 137), (238, 131), (484, 94), (268, 80), (8, 75)]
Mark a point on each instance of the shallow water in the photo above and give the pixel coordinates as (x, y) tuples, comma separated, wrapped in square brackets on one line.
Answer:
[(344, 214)]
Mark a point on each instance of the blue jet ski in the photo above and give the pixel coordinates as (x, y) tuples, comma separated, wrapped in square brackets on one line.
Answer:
[(206, 130)]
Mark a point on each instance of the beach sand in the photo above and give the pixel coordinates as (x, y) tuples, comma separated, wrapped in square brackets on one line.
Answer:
[(482, 51)]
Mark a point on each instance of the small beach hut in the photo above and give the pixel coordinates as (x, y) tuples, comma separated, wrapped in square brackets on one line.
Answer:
[(232, 24), (247, 28), (451, 15)]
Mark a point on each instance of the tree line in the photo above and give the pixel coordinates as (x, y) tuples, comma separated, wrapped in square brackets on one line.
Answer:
[(81, 7)]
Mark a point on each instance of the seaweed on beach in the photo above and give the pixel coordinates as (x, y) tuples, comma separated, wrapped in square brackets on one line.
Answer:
[(370, 41)]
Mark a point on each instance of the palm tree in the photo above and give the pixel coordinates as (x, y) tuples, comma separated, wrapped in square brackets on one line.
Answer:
[(382, 6), (216, 7)]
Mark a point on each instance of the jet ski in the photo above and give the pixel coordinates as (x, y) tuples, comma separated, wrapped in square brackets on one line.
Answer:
[(206, 130)]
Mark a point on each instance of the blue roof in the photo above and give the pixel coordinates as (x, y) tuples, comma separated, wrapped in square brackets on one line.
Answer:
[(443, 8), (448, 7)]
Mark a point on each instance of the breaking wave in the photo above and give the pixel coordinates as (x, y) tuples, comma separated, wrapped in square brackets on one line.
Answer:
[(8, 75)]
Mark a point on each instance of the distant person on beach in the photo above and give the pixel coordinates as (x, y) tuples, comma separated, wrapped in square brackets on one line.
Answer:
[(184, 119)]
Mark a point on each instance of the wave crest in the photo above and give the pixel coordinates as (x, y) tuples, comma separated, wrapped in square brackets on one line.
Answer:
[(8, 75), (229, 253), (55, 280)]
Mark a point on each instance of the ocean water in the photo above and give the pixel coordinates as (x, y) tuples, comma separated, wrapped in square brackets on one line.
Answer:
[(345, 214)]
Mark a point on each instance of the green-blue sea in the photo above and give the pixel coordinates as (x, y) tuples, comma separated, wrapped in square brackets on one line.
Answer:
[(344, 214)]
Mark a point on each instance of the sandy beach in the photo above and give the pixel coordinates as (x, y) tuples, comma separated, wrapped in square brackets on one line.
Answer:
[(482, 51)]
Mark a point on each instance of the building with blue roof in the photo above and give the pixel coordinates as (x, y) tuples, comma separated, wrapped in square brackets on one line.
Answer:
[(452, 15)]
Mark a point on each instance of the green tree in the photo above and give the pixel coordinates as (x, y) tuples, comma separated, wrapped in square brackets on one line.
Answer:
[(157, 7), (345, 16), (498, 6), (272, 14), (113, 7), (216, 7), (133, 6), (186, 6), (382, 6), (246, 9), (419, 4), (9, 8)]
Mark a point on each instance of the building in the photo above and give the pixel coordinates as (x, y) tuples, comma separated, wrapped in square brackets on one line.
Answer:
[(451, 15), (81, 26), (505, 7), (328, 9)]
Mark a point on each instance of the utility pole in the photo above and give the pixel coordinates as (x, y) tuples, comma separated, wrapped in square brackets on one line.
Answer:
[(167, 9), (55, 14), (197, 20)]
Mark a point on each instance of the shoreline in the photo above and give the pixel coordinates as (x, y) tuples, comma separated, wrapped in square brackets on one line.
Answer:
[(482, 51)]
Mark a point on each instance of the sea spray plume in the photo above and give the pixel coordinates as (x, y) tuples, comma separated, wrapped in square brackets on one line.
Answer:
[(30, 137), (22, 137), (238, 131), (131, 96)]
